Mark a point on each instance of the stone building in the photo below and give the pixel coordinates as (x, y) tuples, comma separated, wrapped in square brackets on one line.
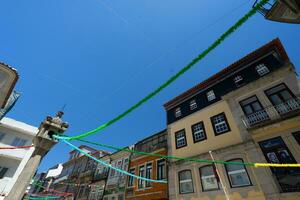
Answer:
[(151, 167), (244, 113)]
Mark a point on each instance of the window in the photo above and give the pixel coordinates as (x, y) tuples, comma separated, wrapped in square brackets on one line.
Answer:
[(3, 170), (162, 139), (237, 174), (148, 173), (18, 142), (112, 171), (2, 136), (180, 139), (177, 112), (185, 182), (262, 69), (119, 166), (251, 105), (161, 169), (141, 174), (120, 197), (193, 104), (253, 110), (210, 95), (130, 178), (297, 136), (208, 177), (238, 80), (220, 124), (282, 98), (276, 151), (198, 132)]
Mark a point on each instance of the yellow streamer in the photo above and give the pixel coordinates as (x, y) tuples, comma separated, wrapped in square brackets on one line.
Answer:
[(275, 165)]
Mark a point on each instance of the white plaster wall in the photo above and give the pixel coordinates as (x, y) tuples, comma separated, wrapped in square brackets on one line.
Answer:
[(15, 160)]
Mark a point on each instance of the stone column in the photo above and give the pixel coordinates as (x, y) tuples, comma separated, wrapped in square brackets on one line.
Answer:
[(43, 142)]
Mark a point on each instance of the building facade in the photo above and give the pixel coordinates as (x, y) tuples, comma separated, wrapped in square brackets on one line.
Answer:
[(77, 174), (99, 179), (151, 167), (206, 122), (116, 181), (12, 162)]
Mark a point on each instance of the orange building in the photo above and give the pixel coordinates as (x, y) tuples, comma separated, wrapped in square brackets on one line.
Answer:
[(150, 167)]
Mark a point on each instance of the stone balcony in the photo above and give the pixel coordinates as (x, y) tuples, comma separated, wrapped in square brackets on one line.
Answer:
[(272, 114)]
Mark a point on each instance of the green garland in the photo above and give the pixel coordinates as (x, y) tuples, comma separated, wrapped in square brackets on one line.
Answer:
[(239, 23), (193, 159)]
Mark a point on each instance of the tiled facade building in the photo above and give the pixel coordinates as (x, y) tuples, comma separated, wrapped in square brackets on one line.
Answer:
[(99, 179), (116, 181), (150, 167), (248, 112)]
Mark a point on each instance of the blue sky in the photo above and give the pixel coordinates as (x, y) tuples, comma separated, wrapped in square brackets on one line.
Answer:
[(99, 57)]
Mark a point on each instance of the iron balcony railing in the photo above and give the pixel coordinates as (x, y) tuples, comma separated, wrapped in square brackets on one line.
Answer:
[(271, 113)]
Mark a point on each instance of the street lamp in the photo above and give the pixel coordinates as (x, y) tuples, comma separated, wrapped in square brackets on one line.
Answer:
[(286, 11), (8, 79)]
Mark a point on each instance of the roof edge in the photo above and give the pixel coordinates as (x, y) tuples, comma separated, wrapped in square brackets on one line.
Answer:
[(209, 81)]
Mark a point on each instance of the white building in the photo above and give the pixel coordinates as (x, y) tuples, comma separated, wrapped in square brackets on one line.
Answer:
[(12, 161)]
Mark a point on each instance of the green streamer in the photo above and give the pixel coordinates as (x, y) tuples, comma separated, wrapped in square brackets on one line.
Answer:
[(217, 42), (193, 159)]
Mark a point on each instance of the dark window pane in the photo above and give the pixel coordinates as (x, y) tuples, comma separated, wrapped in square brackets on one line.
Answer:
[(248, 110), (286, 95), (256, 106), (275, 99)]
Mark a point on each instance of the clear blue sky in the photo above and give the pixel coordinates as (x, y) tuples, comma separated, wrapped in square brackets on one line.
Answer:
[(99, 57)]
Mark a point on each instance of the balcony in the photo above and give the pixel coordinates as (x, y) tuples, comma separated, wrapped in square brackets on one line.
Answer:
[(271, 114), (287, 11)]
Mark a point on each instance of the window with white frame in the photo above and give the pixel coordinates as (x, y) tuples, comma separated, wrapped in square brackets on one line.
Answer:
[(262, 69), (148, 173), (180, 139), (208, 178), (2, 136), (198, 132), (185, 182), (220, 124), (193, 104), (177, 112), (18, 142), (141, 174), (237, 174), (161, 169), (130, 178), (238, 80), (3, 170), (210, 95)]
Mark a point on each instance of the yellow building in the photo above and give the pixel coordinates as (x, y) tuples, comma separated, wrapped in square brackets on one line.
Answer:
[(233, 116)]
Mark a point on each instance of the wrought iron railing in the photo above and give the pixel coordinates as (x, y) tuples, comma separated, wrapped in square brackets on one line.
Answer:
[(272, 113)]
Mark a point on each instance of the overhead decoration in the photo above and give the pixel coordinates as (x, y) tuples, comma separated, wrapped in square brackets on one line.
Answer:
[(216, 43)]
